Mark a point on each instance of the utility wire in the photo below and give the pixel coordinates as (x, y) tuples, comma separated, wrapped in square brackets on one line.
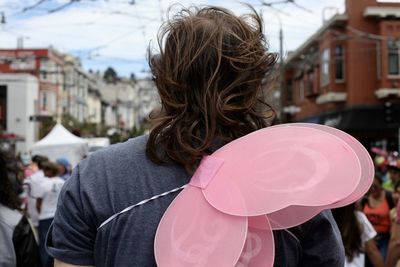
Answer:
[(38, 3), (63, 6), (293, 2), (299, 6), (270, 5)]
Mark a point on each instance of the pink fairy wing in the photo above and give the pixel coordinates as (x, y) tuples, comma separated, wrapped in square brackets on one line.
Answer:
[(367, 165), (295, 215), (292, 216), (277, 167), (259, 249), (193, 233)]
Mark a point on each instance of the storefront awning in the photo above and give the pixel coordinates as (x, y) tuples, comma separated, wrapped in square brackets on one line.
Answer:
[(359, 119)]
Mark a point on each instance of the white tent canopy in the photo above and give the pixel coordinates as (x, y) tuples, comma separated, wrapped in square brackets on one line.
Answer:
[(60, 143)]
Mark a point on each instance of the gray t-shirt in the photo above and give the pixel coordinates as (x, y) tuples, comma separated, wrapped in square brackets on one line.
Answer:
[(117, 177)]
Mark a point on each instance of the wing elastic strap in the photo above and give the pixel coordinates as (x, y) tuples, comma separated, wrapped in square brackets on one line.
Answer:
[(139, 204)]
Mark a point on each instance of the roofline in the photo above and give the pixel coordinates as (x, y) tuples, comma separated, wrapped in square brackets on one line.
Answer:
[(382, 12), (313, 38)]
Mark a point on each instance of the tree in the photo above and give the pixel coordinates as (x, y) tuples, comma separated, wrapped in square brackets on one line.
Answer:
[(110, 75)]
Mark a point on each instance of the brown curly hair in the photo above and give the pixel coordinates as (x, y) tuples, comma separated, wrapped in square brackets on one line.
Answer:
[(211, 74)]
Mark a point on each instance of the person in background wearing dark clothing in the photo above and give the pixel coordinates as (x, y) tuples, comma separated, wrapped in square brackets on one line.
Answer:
[(17, 242)]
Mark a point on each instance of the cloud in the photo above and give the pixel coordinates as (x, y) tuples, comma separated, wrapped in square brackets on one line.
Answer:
[(116, 33)]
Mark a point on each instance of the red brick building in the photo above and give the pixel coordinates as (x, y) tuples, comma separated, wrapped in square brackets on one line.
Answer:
[(46, 65), (347, 74)]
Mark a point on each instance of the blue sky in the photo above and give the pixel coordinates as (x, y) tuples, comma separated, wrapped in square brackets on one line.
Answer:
[(116, 33)]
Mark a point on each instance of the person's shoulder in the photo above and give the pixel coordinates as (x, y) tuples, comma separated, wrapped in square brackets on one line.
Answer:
[(323, 218), (58, 180), (46, 182), (9, 217), (115, 161), (37, 177), (123, 167), (134, 147), (360, 215), (362, 218)]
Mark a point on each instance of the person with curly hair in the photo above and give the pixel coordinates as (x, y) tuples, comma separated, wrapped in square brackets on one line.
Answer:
[(212, 72), (18, 246)]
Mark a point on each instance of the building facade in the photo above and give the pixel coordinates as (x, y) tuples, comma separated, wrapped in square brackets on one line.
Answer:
[(118, 104), (44, 64), (66, 93), (18, 108), (149, 99), (347, 75), (63, 84), (75, 89)]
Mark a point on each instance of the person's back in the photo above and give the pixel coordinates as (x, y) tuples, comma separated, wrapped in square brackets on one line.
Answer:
[(130, 177), (211, 75), (48, 193), (9, 219), (18, 245), (32, 186)]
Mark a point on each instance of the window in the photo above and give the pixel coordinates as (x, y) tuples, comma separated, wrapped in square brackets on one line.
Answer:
[(301, 89), (44, 101), (44, 68), (325, 67), (310, 82), (3, 107), (339, 63), (289, 91), (393, 58)]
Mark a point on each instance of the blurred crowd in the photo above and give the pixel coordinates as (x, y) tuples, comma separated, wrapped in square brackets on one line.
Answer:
[(29, 190), (30, 186), (370, 228)]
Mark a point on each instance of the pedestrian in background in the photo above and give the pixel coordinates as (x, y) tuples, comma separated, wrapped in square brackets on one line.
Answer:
[(393, 172), (64, 168), (358, 237), (393, 257), (18, 246), (46, 203), (376, 206), (32, 186), (395, 197)]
